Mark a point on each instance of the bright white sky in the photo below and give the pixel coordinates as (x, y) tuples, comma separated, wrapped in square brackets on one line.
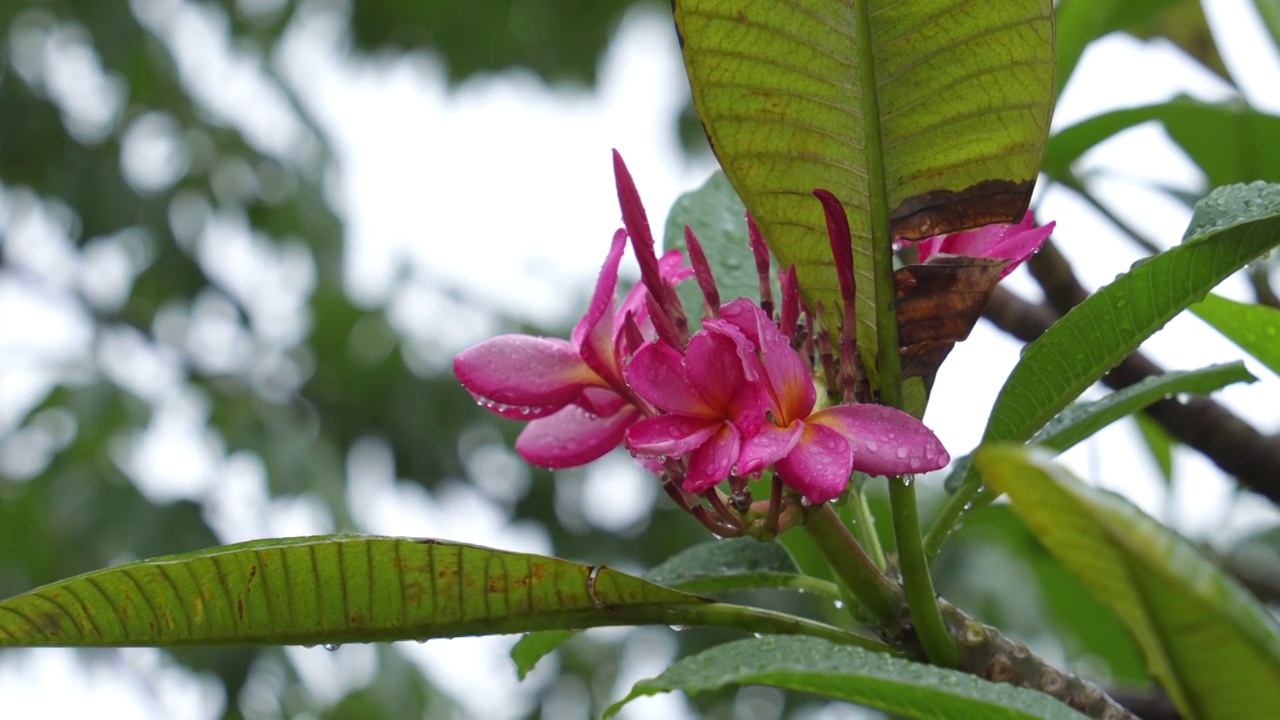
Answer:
[(503, 189)]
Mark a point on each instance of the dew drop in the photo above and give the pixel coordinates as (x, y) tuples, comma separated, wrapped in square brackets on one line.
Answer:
[(871, 446), (839, 604), (901, 452)]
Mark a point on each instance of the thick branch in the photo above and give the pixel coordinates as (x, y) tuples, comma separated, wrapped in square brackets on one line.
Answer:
[(988, 653), (1230, 442)]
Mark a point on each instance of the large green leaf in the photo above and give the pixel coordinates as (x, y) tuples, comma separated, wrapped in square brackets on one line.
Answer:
[(736, 564), (1255, 328), (709, 567), (1231, 142), (895, 686), (1230, 228), (923, 117), (354, 588), (1212, 646)]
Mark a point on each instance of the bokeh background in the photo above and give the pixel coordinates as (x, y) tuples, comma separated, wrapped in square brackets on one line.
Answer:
[(240, 242)]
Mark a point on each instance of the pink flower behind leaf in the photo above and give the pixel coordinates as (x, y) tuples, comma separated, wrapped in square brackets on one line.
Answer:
[(572, 392), (1014, 243), (815, 452)]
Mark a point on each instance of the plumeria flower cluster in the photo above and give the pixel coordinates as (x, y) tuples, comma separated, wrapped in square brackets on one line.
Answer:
[(708, 411)]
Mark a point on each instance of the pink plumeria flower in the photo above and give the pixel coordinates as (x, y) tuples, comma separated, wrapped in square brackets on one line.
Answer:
[(1014, 243), (815, 452), (710, 405), (573, 391)]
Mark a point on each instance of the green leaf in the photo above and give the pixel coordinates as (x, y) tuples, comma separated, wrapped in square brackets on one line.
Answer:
[(1231, 142), (736, 564), (1230, 228), (922, 117), (1270, 12), (1082, 420), (1159, 442), (895, 686), (330, 589), (534, 646), (354, 588), (718, 218), (1212, 646), (1255, 328)]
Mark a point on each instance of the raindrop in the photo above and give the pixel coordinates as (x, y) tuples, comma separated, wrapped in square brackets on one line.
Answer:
[(908, 480), (902, 452), (679, 628), (871, 446), (839, 604), (331, 646), (421, 641)]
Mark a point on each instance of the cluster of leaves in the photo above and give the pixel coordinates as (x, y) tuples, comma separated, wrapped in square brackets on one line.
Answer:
[(78, 511)]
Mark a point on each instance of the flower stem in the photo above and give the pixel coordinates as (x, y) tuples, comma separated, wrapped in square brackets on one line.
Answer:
[(864, 527), (852, 566), (918, 585), (916, 582)]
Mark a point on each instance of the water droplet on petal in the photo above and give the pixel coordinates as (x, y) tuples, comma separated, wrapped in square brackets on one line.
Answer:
[(871, 446), (902, 452)]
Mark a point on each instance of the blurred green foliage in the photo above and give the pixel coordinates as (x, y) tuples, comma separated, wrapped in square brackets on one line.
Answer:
[(298, 404)]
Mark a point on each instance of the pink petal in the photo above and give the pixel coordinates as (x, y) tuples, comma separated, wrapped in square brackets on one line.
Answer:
[(669, 434), (1020, 244), (715, 370), (1014, 243), (885, 441), (767, 447), (573, 437), (594, 333), (523, 377), (712, 463), (789, 381), (600, 401), (820, 464), (657, 374)]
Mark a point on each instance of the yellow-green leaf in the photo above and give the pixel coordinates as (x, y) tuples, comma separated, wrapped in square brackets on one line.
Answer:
[(1212, 646), (927, 116)]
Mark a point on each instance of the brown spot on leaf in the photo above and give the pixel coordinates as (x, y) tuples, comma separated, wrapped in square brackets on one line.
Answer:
[(253, 573), (945, 211), (938, 304), (240, 607)]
